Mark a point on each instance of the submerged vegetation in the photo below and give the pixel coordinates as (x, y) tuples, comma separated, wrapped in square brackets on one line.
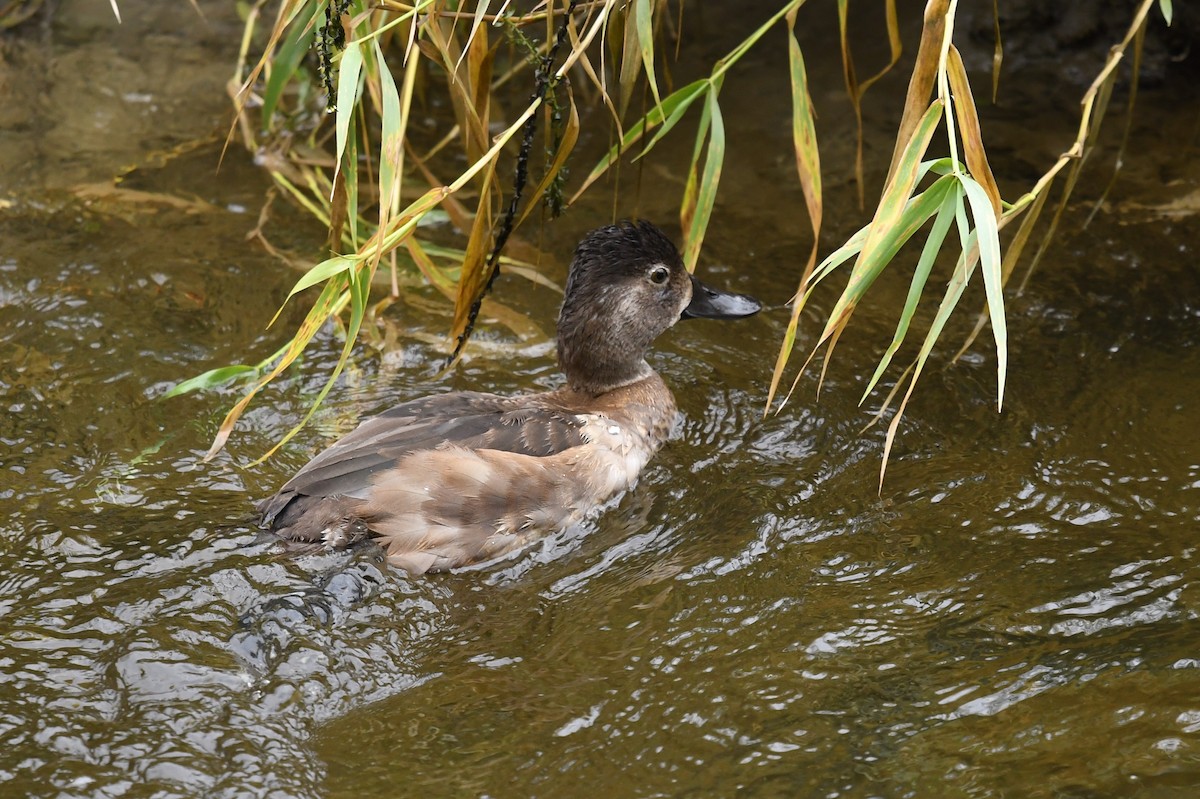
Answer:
[(327, 94)]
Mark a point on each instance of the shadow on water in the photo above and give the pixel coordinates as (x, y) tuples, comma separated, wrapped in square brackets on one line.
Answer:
[(1016, 615)]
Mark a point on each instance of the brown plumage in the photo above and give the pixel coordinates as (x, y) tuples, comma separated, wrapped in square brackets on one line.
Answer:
[(455, 479)]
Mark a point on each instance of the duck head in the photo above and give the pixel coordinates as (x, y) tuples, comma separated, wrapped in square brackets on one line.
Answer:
[(626, 286)]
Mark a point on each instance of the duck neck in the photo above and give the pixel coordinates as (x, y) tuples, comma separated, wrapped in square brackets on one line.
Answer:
[(597, 359)]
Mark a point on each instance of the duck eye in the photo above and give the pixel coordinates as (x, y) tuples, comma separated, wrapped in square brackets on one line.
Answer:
[(659, 274)]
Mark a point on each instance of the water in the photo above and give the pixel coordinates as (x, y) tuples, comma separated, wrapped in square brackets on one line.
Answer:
[(1015, 614)]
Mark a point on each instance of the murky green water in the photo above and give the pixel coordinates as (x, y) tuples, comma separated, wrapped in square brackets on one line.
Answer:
[(1016, 616)]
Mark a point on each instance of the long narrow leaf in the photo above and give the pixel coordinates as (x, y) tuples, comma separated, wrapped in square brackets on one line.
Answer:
[(989, 258), (347, 94), (645, 35), (880, 238), (671, 110), (391, 150), (707, 193), (933, 245), (968, 125)]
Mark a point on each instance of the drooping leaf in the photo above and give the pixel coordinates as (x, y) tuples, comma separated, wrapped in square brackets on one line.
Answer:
[(645, 37), (989, 259), (213, 378), (884, 231), (924, 73), (933, 245), (349, 83), (968, 125), (706, 193)]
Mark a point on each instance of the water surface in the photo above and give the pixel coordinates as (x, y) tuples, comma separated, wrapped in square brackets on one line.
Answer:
[(1015, 614)]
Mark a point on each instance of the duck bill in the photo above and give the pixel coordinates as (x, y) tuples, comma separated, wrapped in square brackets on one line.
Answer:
[(710, 303)]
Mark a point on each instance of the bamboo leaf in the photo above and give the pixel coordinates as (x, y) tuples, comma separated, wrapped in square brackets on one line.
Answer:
[(475, 274), (330, 301), (1165, 7), (843, 9), (998, 53), (884, 231), (283, 67), (958, 282), (481, 9), (671, 109), (391, 149), (320, 273), (933, 245), (347, 93), (645, 36), (920, 85), (359, 291), (989, 258), (707, 193), (968, 125), (804, 140), (894, 45), (631, 60), (213, 378), (808, 167)]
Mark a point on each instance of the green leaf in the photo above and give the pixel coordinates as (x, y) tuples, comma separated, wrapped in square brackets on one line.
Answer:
[(349, 82), (284, 65), (706, 194), (989, 257), (322, 272), (671, 109), (359, 289), (886, 232), (645, 32), (933, 245), (391, 143), (1165, 7), (213, 378)]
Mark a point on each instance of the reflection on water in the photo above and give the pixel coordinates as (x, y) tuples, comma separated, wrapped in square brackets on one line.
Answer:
[(1015, 616)]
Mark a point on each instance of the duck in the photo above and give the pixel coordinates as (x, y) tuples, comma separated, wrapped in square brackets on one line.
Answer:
[(458, 479)]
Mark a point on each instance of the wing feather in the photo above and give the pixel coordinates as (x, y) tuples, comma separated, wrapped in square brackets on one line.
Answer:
[(472, 420)]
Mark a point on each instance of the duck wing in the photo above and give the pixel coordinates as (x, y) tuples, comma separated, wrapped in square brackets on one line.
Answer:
[(472, 420)]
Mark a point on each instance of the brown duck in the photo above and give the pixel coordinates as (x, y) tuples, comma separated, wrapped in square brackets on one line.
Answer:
[(458, 478)]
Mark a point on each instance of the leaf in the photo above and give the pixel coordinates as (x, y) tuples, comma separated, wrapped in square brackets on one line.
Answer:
[(706, 194), (349, 82), (565, 147), (894, 45), (283, 67), (843, 9), (631, 60), (671, 109), (481, 9), (391, 150), (645, 36), (958, 282), (920, 85), (989, 258), (998, 54), (472, 282), (884, 229), (933, 245), (808, 167), (1163, 5), (804, 140), (359, 290), (320, 273), (330, 301), (968, 125), (213, 378)]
